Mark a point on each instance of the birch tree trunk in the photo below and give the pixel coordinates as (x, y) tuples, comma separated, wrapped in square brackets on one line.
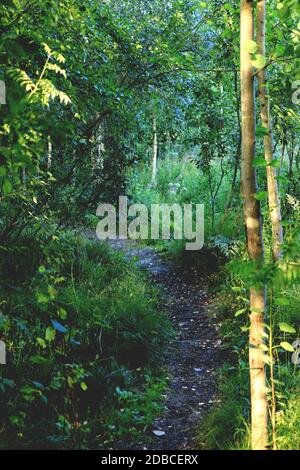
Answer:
[(155, 149), (259, 408), (98, 149), (49, 152), (273, 195)]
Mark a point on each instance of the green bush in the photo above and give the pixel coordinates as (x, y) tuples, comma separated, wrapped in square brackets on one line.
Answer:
[(79, 324)]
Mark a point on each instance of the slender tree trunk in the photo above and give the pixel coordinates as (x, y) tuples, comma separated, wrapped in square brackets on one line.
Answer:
[(24, 177), (49, 152), (273, 193), (97, 150), (155, 149), (212, 202), (259, 407)]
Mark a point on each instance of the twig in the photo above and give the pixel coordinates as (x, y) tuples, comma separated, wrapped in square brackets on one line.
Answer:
[(272, 61)]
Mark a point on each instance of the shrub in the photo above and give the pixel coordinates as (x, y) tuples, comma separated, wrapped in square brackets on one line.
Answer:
[(79, 323)]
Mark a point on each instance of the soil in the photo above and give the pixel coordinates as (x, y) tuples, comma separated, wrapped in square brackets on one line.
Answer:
[(194, 355)]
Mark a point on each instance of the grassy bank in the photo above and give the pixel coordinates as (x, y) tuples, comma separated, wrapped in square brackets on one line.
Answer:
[(84, 337), (227, 426)]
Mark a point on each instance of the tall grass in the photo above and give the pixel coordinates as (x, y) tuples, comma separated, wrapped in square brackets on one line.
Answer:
[(81, 326), (183, 182)]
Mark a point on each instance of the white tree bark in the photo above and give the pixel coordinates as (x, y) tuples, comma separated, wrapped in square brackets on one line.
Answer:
[(155, 149), (49, 152)]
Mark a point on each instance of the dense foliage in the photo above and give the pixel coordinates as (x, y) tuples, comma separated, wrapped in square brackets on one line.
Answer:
[(84, 83)]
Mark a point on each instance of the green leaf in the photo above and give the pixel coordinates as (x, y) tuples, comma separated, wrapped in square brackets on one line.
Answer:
[(284, 10), (266, 359), (259, 162), (70, 381), (27, 390), (83, 386), (41, 342), (274, 163), (239, 312), (250, 46), (281, 179), (287, 346), (42, 298), (40, 360), (62, 313), (50, 334), (286, 328), (244, 328), (286, 223), (7, 187), (261, 195), (261, 131), (52, 292), (259, 62), (229, 7), (282, 301)]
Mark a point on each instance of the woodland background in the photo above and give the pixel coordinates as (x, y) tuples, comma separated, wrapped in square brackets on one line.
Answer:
[(139, 98)]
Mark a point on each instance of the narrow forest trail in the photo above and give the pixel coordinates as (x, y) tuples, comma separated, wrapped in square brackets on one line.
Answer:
[(194, 354)]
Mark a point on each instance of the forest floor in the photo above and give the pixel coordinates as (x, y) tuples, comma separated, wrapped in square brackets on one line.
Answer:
[(194, 355)]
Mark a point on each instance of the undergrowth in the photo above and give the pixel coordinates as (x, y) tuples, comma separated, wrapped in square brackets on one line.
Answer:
[(84, 337), (227, 426)]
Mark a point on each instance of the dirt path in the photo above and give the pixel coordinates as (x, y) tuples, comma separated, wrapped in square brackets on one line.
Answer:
[(194, 355)]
